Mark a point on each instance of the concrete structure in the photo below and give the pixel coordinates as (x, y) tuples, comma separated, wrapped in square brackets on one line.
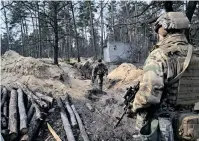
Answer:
[(116, 51)]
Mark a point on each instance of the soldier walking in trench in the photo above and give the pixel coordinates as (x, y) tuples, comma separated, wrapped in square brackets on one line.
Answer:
[(99, 70), (164, 102)]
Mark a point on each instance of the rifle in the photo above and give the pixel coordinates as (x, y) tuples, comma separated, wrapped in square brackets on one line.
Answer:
[(128, 97)]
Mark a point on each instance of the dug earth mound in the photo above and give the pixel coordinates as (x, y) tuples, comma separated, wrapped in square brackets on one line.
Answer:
[(40, 75), (37, 74)]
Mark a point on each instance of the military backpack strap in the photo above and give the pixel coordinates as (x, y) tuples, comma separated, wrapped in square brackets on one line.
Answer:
[(185, 65)]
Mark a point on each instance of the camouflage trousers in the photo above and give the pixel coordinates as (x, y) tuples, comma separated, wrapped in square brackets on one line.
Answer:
[(150, 129), (100, 77)]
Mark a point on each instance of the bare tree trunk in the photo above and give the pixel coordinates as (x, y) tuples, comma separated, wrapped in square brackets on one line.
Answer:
[(55, 22), (22, 38), (7, 28), (39, 24), (75, 28), (113, 20), (102, 28), (93, 31), (34, 41), (127, 22), (13, 115)]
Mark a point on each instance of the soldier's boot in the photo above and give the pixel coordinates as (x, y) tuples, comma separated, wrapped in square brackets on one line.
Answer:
[(149, 132), (93, 80), (100, 87)]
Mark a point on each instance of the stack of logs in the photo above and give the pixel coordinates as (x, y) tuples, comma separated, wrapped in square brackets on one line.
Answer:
[(22, 112), (72, 121)]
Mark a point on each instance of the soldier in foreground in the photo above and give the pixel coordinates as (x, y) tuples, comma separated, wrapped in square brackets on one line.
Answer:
[(169, 89), (99, 70)]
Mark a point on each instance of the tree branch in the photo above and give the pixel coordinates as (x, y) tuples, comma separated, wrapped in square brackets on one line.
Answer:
[(190, 9), (145, 9)]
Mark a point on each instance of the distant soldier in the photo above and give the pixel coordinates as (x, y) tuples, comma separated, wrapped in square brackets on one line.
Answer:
[(85, 69), (99, 70)]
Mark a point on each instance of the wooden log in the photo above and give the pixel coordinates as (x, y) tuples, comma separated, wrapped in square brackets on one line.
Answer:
[(5, 133), (81, 126), (39, 101), (33, 128), (88, 105), (65, 121), (28, 105), (30, 97), (22, 113), (3, 121), (30, 113), (24, 138), (13, 115), (2, 139), (44, 97), (70, 111), (4, 96), (5, 109)]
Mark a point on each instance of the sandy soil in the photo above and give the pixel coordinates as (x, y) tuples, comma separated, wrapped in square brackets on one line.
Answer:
[(100, 123)]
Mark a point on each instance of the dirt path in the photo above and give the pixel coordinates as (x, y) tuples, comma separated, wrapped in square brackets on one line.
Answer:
[(100, 123)]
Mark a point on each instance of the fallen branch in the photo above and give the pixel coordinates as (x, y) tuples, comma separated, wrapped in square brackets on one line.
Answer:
[(22, 113), (13, 115), (65, 121), (70, 111), (81, 126), (57, 138), (88, 105)]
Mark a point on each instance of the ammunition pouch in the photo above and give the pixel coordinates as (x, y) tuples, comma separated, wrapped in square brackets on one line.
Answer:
[(188, 126), (149, 132)]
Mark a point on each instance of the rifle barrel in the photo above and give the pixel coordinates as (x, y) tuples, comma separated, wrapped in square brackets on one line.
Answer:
[(120, 119)]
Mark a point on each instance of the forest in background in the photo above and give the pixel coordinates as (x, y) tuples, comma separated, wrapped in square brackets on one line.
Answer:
[(66, 29)]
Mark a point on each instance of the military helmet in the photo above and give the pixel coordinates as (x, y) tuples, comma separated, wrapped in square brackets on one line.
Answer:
[(172, 20)]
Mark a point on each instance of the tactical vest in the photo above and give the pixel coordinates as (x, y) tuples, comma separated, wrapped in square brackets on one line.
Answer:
[(184, 88)]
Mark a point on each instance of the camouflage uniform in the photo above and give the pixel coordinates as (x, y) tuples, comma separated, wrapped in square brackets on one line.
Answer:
[(99, 70), (161, 66)]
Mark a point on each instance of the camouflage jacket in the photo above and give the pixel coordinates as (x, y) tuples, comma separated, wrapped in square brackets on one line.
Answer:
[(99, 69), (160, 67)]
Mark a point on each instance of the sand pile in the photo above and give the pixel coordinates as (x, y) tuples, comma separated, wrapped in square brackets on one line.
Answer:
[(125, 74), (37, 74)]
